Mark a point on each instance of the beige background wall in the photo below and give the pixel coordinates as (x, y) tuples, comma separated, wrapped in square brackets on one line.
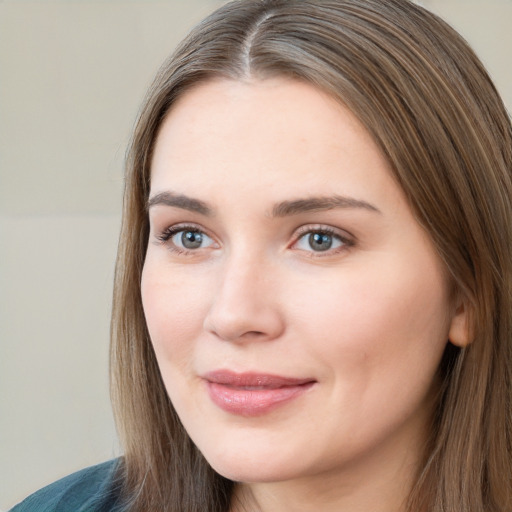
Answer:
[(72, 75)]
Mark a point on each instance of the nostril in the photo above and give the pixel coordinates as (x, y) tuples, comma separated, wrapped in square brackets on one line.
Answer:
[(237, 330), (238, 315), (253, 334)]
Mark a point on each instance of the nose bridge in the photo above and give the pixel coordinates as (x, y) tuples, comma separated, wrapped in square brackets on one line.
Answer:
[(243, 306), (242, 270)]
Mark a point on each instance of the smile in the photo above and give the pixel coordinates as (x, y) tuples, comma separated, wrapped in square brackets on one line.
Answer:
[(253, 394)]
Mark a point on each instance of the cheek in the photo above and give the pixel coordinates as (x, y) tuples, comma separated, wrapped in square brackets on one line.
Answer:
[(379, 339), (173, 308), (379, 326)]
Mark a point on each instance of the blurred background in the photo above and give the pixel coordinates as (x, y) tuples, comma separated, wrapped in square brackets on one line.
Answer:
[(72, 76)]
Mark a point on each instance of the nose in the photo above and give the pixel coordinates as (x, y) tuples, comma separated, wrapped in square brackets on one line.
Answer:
[(244, 307)]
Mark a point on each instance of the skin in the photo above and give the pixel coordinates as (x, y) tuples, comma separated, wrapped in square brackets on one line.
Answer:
[(367, 320)]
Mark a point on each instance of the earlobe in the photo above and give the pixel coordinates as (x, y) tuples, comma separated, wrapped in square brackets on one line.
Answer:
[(460, 332)]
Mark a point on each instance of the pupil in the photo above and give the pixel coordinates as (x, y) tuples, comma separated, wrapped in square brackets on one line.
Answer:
[(320, 241), (191, 239)]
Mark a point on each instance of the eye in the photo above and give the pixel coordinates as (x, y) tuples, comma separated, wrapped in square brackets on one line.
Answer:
[(191, 239), (186, 238), (321, 240)]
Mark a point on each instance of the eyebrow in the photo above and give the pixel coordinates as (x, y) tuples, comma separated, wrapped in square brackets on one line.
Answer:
[(180, 201), (316, 204), (282, 209)]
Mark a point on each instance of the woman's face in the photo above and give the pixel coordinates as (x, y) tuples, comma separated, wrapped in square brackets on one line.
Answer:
[(297, 310)]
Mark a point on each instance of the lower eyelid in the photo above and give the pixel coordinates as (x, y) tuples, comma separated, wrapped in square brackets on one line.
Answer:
[(344, 242), (164, 236), (336, 239), (204, 236)]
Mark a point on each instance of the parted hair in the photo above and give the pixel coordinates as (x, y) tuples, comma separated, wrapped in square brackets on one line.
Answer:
[(433, 111)]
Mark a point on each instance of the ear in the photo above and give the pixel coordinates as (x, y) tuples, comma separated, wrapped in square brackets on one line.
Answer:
[(460, 332)]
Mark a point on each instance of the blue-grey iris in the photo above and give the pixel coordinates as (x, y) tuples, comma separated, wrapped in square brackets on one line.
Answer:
[(191, 239), (320, 241)]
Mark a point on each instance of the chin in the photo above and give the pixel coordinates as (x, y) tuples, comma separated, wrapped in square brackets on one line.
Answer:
[(253, 467), (251, 473)]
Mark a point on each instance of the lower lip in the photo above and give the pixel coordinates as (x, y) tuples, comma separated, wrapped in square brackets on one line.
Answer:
[(253, 402)]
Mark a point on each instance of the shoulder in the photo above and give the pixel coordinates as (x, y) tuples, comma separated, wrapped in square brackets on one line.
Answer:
[(89, 490)]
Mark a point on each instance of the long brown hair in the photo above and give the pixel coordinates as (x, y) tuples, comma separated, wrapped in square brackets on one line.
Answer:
[(430, 106)]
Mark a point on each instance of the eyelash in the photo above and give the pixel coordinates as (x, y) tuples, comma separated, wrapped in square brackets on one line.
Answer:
[(346, 241), (169, 232)]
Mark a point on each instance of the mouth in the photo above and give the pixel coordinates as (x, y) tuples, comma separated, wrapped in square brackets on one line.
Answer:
[(253, 394)]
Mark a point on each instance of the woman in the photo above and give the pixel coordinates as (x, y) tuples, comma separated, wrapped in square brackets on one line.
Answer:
[(312, 299)]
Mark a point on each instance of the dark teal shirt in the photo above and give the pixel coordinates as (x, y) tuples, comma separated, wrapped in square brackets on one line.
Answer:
[(89, 490)]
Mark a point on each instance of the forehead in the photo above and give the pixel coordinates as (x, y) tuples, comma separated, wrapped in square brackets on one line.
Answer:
[(265, 135)]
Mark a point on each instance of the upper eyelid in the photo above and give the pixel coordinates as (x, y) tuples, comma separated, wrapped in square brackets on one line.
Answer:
[(165, 234), (326, 228), (182, 226), (297, 233), (348, 241)]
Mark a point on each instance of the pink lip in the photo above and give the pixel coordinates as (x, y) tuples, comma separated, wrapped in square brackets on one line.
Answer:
[(253, 394)]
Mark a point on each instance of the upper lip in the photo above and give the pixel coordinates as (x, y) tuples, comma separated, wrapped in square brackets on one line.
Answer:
[(265, 380)]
